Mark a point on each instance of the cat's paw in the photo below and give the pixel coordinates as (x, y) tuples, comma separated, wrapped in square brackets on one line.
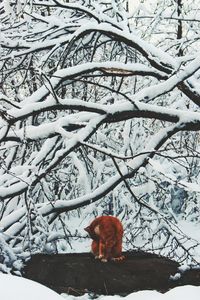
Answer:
[(117, 259), (104, 260)]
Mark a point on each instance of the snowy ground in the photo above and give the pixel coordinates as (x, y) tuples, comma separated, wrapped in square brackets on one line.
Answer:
[(17, 288), (179, 293)]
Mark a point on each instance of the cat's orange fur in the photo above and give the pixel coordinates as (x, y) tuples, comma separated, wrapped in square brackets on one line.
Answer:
[(106, 232)]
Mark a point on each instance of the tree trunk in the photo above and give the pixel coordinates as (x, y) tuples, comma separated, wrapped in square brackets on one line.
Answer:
[(180, 27)]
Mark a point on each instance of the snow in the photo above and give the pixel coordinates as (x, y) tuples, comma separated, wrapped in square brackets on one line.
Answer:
[(18, 288), (7, 7), (25, 289), (179, 293)]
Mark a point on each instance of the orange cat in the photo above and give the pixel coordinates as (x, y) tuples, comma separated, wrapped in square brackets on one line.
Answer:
[(106, 232)]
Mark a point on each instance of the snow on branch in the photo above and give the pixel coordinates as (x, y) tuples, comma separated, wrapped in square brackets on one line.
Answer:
[(127, 171)]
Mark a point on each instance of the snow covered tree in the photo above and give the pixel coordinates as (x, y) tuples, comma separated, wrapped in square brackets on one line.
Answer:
[(99, 114)]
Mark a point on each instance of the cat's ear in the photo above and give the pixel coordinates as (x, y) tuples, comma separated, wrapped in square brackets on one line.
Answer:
[(87, 228)]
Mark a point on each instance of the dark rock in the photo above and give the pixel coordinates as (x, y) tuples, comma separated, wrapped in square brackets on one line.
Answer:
[(81, 273)]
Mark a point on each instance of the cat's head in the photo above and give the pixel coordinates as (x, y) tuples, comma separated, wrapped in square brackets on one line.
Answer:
[(91, 233)]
